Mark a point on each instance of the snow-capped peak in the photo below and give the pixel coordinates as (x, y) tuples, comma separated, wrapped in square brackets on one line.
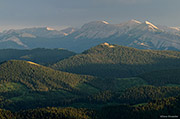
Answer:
[(151, 25), (49, 29)]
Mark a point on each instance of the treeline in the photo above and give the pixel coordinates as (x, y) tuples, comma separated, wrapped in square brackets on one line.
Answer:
[(151, 110)]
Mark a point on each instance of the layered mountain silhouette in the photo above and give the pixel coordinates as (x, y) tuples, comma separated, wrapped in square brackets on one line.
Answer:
[(141, 35)]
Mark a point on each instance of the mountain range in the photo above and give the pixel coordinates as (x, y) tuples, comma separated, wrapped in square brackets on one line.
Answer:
[(133, 33), (99, 71)]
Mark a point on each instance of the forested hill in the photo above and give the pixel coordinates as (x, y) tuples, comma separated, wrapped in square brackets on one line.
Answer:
[(38, 55), (106, 60), (37, 77)]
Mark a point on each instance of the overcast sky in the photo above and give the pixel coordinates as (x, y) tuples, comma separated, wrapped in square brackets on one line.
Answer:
[(63, 13)]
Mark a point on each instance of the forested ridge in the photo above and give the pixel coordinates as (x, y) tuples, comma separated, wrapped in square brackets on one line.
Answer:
[(118, 61), (38, 77)]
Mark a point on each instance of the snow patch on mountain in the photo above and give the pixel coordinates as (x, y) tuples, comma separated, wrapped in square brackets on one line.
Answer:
[(135, 21), (50, 29), (175, 28), (105, 22), (152, 26)]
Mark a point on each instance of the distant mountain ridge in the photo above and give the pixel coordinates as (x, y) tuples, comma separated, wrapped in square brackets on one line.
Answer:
[(133, 33), (141, 35)]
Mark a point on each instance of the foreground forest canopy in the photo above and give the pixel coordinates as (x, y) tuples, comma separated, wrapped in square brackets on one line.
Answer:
[(107, 81)]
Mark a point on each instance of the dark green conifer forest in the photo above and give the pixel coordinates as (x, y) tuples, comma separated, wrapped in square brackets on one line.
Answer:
[(104, 82)]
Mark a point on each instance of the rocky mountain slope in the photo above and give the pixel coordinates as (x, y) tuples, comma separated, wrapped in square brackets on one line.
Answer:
[(133, 33)]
